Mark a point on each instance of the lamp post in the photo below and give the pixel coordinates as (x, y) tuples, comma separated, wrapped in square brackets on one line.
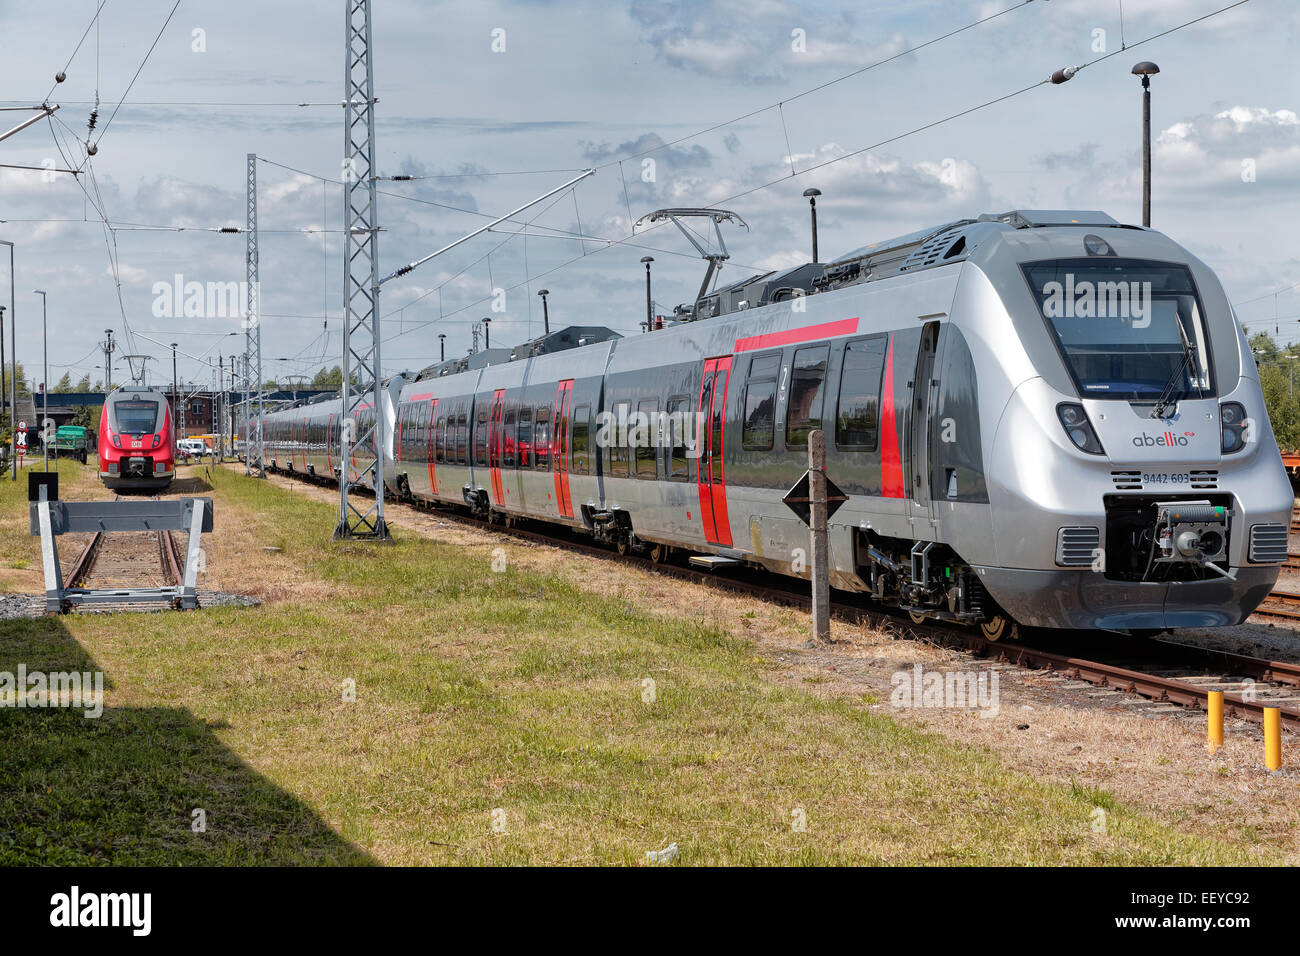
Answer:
[(487, 333), (1146, 69), (649, 302), (44, 379), (546, 317), (175, 395), (13, 377), (230, 404), (109, 347), (811, 195), (442, 346)]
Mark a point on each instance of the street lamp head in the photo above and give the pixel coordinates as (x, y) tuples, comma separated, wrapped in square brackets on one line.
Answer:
[(1146, 68), (811, 193), (38, 292), (647, 259), (543, 291)]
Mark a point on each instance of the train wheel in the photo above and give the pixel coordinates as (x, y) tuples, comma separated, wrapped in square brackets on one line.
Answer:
[(659, 553), (1000, 627), (917, 617)]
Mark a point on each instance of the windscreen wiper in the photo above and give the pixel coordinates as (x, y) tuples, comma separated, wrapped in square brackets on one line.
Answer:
[(1166, 399)]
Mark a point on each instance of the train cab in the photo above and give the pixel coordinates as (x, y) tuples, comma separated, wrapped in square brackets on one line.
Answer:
[(137, 441)]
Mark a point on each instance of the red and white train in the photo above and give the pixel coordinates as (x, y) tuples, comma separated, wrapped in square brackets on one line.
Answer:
[(137, 441)]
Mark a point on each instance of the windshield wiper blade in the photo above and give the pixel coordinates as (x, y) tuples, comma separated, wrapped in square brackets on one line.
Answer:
[(1167, 393)]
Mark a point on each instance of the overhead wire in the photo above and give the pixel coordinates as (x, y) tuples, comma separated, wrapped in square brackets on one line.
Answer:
[(919, 129)]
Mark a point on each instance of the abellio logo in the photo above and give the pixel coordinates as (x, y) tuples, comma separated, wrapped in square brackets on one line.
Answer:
[(1165, 440)]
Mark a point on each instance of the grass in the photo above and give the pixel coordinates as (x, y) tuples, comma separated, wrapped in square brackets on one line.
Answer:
[(511, 697)]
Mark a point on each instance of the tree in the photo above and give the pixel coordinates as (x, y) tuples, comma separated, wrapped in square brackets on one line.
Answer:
[(84, 385), (64, 384), (328, 378), (1280, 397), (87, 416), (23, 387), (1265, 349)]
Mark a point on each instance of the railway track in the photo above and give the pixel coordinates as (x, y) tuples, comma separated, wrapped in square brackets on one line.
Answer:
[(1283, 605), (1161, 671), (124, 560)]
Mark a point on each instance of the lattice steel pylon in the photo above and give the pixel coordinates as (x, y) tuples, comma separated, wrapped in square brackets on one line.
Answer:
[(361, 327), (243, 405), (254, 450)]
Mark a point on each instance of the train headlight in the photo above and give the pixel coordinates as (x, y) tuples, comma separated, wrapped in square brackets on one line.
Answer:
[(117, 442), (1232, 426), (1077, 426)]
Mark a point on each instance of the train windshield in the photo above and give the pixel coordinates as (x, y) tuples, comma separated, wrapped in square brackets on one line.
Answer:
[(1127, 328), (137, 417)]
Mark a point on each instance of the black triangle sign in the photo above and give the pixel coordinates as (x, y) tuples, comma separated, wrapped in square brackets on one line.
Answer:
[(797, 498)]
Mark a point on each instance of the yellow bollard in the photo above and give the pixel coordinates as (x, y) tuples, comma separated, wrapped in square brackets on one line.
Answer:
[(1272, 738), (1215, 721)]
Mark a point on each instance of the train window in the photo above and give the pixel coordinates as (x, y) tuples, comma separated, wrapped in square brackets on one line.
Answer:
[(420, 434), (525, 439), (440, 439), (679, 427), (481, 439), (1155, 345), (642, 436), (857, 424), (542, 439), (806, 385), (508, 437), (760, 415), (617, 438), (758, 427), (582, 440), (764, 367), (133, 417), (462, 439)]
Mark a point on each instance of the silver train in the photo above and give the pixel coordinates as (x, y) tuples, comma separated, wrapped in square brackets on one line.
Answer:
[(1039, 418)]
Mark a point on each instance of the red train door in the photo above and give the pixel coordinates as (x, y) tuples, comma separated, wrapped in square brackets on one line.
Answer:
[(494, 445), (560, 446), (709, 439), (431, 445)]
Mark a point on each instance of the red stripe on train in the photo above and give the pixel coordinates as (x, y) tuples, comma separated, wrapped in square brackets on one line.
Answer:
[(808, 333), (891, 466)]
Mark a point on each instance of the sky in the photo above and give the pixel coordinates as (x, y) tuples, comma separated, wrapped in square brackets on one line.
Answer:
[(495, 103)]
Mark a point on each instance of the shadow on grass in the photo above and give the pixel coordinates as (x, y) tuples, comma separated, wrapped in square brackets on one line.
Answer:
[(122, 788), (191, 484)]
